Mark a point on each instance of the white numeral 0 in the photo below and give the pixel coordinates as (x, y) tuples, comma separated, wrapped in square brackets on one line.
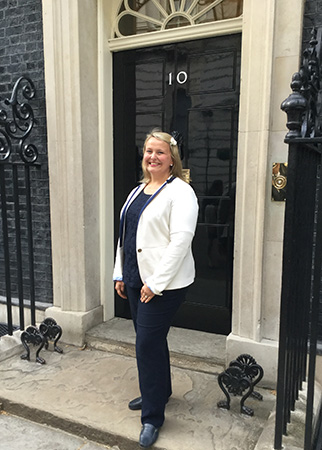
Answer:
[(182, 77)]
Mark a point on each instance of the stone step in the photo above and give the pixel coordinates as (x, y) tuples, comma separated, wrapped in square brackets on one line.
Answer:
[(189, 349), (86, 392)]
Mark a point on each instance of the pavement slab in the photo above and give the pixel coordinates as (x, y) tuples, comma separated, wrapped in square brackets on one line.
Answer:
[(21, 434), (86, 392)]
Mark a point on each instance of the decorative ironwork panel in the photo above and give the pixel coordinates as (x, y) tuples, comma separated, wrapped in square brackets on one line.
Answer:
[(242, 375), (39, 337), (17, 124), (304, 103), (51, 332), (17, 156), (33, 337)]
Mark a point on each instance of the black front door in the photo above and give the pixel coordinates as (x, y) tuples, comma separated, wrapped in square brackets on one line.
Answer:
[(193, 88)]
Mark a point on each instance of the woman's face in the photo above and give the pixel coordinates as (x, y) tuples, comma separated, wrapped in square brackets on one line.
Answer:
[(157, 158)]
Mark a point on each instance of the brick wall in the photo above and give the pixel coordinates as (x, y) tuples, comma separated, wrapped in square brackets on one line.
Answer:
[(21, 53), (312, 17)]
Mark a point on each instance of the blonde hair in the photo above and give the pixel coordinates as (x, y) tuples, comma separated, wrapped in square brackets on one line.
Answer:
[(176, 169)]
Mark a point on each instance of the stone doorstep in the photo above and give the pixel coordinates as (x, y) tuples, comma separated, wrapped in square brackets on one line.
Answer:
[(189, 349), (57, 411)]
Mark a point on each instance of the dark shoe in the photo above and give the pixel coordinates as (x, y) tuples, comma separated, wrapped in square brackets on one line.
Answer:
[(136, 404), (149, 434)]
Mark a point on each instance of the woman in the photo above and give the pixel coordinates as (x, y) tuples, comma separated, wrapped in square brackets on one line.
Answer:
[(153, 267)]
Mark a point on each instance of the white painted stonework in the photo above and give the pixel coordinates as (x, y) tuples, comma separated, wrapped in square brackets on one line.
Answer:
[(71, 73)]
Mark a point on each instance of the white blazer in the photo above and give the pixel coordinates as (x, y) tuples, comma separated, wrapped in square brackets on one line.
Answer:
[(163, 242)]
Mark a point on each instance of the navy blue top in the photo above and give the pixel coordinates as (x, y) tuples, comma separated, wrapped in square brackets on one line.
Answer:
[(131, 276)]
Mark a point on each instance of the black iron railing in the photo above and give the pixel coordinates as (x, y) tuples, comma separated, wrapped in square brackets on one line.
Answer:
[(18, 160), (302, 252)]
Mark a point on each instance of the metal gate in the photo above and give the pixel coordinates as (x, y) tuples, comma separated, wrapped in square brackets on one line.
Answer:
[(18, 164), (302, 253)]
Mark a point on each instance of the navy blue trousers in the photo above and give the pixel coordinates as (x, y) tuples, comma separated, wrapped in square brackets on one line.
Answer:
[(152, 322)]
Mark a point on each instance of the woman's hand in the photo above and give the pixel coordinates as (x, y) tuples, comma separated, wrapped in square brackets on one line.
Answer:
[(146, 294), (120, 289)]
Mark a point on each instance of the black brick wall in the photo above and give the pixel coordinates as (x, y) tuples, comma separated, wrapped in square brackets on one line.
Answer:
[(21, 53), (312, 17)]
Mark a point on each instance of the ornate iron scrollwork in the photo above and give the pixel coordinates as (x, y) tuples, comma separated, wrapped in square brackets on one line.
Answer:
[(5, 145), (51, 331), (241, 375), (48, 331), (32, 336), (18, 126), (301, 107)]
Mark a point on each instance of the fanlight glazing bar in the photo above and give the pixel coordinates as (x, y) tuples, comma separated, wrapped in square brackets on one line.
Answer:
[(173, 7), (178, 14), (192, 6), (208, 8), (140, 16), (160, 8), (183, 4)]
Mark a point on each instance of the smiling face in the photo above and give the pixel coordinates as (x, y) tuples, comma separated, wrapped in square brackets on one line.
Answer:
[(157, 159)]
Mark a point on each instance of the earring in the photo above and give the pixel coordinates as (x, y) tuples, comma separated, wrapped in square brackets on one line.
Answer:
[(171, 165)]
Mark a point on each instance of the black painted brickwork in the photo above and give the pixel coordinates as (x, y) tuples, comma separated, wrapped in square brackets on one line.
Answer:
[(312, 17), (21, 53)]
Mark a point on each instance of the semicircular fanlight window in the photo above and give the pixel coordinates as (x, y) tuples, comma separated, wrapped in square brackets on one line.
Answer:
[(142, 16)]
